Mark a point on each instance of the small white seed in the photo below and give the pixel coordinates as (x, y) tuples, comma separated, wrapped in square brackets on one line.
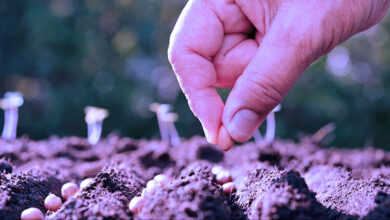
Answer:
[(145, 192), (162, 179), (229, 188), (68, 190), (151, 184), (223, 177), (136, 204), (52, 202), (85, 183), (31, 214), (215, 170)]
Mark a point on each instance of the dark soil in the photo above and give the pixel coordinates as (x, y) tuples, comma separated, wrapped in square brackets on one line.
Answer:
[(282, 180)]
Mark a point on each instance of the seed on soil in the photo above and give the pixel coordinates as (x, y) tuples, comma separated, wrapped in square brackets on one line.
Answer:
[(162, 179), (151, 184), (31, 214), (216, 169), (136, 204), (52, 202), (229, 188), (68, 190), (224, 177), (85, 183)]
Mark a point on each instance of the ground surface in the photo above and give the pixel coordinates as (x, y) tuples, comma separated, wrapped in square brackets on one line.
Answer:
[(283, 180)]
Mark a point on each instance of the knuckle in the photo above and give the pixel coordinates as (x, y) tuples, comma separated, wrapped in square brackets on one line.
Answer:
[(265, 91)]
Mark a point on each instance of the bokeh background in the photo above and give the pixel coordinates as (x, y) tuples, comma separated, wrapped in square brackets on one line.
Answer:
[(66, 54)]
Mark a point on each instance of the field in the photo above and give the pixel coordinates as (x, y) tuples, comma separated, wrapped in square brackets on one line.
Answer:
[(281, 180)]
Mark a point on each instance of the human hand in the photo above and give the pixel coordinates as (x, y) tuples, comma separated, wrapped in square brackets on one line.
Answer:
[(259, 48)]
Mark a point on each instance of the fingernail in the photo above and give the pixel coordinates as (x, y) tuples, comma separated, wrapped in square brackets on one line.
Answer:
[(243, 124)]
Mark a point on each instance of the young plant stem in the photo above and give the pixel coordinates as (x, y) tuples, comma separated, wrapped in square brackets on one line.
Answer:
[(175, 138), (258, 137), (10, 124), (94, 117), (270, 133), (162, 124), (10, 103), (94, 132)]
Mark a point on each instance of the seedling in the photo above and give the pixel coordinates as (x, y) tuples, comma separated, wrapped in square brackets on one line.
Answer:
[(323, 132), (166, 122), (161, 110), (270, 132), (258, 137), (10, 104), (94, 117), (170, 119)]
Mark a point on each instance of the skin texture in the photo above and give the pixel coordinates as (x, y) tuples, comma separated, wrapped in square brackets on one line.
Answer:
[(259, 48)]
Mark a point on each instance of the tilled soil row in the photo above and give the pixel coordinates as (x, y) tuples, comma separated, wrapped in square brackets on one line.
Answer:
[(281, 180)]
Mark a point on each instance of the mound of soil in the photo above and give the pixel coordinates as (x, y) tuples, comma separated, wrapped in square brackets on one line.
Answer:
[(281, 180)]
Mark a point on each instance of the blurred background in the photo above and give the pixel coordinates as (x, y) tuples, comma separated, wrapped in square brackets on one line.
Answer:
[(66, 54)]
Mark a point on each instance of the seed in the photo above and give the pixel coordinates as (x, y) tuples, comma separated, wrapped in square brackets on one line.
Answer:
[(162, 179), (52, 202), (151, 184), (215, 170), (136, 204), (68, 190), (229, 188), (31, 214), (85, 183), (223, 177)]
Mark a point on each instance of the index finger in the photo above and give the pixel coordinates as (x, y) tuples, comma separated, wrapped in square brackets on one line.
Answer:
[(196, 38)]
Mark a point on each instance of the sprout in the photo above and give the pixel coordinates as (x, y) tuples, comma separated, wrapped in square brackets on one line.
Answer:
[(161, 110), (323, 132), (10, 104), (270, 133), (94, 117), (258, 137), (169, 119), (166, 122)]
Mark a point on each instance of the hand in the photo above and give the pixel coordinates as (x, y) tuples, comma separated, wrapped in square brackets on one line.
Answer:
[(259, 48)]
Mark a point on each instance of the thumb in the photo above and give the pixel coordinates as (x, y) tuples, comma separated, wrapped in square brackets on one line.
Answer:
[(272, 72)]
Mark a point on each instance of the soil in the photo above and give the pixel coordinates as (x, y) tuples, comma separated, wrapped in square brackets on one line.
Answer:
[(281, 180)]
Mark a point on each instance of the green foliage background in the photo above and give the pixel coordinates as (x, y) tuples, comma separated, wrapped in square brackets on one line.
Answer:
[(66, 54)]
